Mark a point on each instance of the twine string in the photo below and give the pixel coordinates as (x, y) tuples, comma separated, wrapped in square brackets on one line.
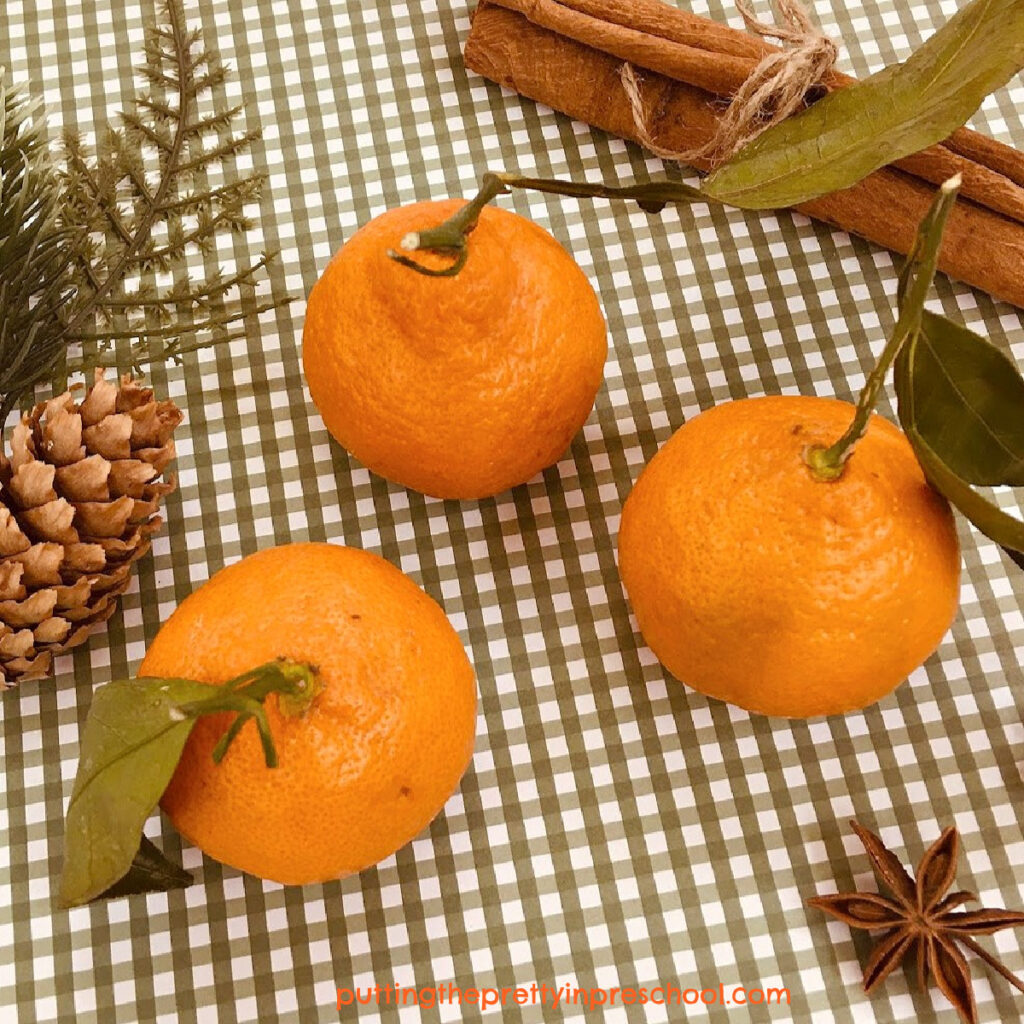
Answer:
[(776, 88)]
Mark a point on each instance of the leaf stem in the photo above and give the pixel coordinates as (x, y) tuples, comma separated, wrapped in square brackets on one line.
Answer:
[(452, 236), (295, 684), (828, 463)]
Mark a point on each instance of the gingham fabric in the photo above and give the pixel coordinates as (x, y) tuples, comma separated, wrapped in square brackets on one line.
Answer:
[(614, 829)]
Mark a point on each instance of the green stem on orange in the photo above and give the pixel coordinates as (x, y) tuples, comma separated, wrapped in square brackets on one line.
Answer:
[(452, 236), (295, 684), (828, 463)]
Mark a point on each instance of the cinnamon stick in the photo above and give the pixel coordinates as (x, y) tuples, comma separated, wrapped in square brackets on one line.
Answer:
[(653, 35), (982, 247)]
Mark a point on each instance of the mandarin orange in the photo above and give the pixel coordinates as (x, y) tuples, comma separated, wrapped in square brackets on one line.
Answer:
[(463, 386), (371, 761), (757, 583)]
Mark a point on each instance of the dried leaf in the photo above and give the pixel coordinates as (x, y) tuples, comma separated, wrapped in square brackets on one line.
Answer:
[(901, 110)]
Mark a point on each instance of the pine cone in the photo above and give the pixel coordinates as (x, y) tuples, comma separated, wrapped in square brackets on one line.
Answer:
[(79, 498)]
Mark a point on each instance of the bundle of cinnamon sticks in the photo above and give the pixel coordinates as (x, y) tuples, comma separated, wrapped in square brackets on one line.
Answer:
[(568, 54)]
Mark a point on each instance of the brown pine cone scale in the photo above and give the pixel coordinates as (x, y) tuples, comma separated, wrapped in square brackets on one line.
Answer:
[(80, 493)]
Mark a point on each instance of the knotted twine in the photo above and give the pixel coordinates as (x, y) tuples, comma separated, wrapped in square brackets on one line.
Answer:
[(777, 87)]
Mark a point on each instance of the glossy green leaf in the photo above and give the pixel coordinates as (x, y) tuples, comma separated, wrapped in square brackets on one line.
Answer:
[(901, 110), (131, 744), (968, 402)]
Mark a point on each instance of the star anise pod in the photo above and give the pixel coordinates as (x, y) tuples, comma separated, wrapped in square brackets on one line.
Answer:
[(921, 918)]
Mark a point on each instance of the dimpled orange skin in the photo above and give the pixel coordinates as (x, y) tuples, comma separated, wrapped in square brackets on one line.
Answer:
[(374, 758), (459, 387), (756, 583)]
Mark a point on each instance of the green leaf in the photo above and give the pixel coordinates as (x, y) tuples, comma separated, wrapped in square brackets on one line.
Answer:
[(150, 871), (901, 110), (959, 401), (968, 402), (997, 525), (131, 744)]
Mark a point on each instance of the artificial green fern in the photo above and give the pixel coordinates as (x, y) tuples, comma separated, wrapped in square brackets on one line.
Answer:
[(129, 216), (34, 251)]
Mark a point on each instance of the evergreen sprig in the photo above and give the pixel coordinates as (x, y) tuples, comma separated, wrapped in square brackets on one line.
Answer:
[(34, 251), (125, 219)]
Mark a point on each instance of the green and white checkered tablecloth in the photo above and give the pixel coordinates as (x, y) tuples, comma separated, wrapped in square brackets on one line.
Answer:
[(614, 829)]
